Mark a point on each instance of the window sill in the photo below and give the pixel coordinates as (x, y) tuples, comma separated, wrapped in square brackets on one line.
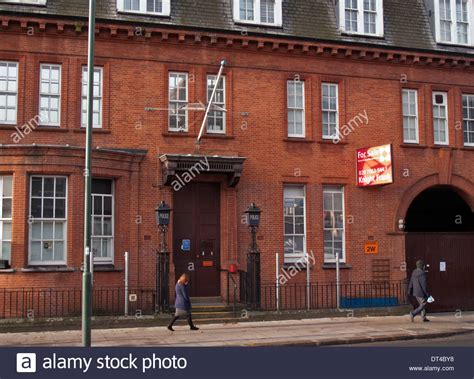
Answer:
[(178, 134), (468, 148), (94, 130), (298, 266), (218, 136), (413, 145), (106, 268), (152, 14), (7, 271), (51, 129), (9, 127), (258, 24), (364, 35), (296, 139), (47, 269), (332, 266), (330, 142)]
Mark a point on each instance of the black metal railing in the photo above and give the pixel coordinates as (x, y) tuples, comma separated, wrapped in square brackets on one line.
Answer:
[(66, 302), (294, 296), (24, 303)]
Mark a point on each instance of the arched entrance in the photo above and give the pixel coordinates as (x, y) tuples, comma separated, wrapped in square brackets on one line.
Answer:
[(440, 231)]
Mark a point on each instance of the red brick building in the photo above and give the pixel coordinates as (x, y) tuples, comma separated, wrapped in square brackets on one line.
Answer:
[(306, 84)]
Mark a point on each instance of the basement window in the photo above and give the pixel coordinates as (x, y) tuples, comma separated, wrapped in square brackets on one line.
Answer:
[(152, 7), (263, 12)]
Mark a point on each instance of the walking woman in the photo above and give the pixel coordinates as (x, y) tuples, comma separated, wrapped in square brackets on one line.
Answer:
[(182, 303)]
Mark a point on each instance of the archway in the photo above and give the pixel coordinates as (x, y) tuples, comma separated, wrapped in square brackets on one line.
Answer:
[(440, 231)]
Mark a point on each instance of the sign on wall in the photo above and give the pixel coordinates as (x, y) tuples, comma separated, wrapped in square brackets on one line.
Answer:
[(374, 166), (371, 247)]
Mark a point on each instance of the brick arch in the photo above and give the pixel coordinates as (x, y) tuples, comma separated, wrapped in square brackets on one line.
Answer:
[(459, 184)]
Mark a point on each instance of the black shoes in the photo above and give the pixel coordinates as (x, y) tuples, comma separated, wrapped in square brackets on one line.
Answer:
[(194, 328), (426, 320), (170, 328)]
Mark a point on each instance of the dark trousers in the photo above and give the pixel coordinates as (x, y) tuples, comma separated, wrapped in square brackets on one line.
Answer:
[(421, 310), (190, 320)]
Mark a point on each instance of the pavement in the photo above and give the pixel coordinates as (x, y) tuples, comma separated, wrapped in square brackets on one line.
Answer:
[(306, 332)]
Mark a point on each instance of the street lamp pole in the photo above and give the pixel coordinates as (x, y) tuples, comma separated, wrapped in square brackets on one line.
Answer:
[(88, 260)]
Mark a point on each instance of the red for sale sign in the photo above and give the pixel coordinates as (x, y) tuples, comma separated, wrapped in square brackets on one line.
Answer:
[(374, 166)]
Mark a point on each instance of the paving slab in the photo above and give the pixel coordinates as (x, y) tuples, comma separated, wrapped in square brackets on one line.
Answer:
[(324, 331)]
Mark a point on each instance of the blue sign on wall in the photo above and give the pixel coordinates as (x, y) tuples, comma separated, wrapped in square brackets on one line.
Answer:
[(186, 245)]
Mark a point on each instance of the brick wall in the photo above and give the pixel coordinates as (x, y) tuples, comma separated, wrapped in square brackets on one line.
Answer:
[(135, 77)]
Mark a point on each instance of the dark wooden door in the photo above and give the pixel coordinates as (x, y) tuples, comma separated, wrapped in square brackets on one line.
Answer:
[(450, 257), (196, 237)]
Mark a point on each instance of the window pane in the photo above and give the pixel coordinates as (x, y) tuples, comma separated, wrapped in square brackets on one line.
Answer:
[(36, 186), (7, 186), (49, 187), (7, 208), (48, 206), (60, 208), (7, 231), (36, 208), (60, 187)]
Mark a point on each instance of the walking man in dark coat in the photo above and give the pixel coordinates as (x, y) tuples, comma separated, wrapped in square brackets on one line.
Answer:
[(418, 287)]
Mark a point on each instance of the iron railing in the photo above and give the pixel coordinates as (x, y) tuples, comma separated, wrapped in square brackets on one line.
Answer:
[(33, 303), (24, 303), (294, 296)]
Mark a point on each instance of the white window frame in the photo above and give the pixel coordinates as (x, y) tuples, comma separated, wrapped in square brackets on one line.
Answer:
[(256, 13), (295, 109), (177, 102), (329, 110), (7, 93), (212, 113), (32, 2), (454, 24), (45, 113), (445, 119), (104, 260), (99, 98), (41, 220), (293, 257), (3, 219), (333, 189), (379, 24), (469, 120), (165, 10), (410, 92)]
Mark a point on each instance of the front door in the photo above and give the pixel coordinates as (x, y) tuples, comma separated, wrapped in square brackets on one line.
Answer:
[(196, 237)]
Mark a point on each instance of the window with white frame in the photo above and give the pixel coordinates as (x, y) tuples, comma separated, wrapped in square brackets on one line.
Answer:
[(296, 108), (48, 219), (178, 101), (97, 100), (265, 12), (294, 214), (34, 2), (50, 94), (330, 110), (216, 117), (454, 21), (153, 7), (333, 209), (440, 118), (361, 16), (468, 119), (410, 115), (6, 198), (103, 220), (8, 92)]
